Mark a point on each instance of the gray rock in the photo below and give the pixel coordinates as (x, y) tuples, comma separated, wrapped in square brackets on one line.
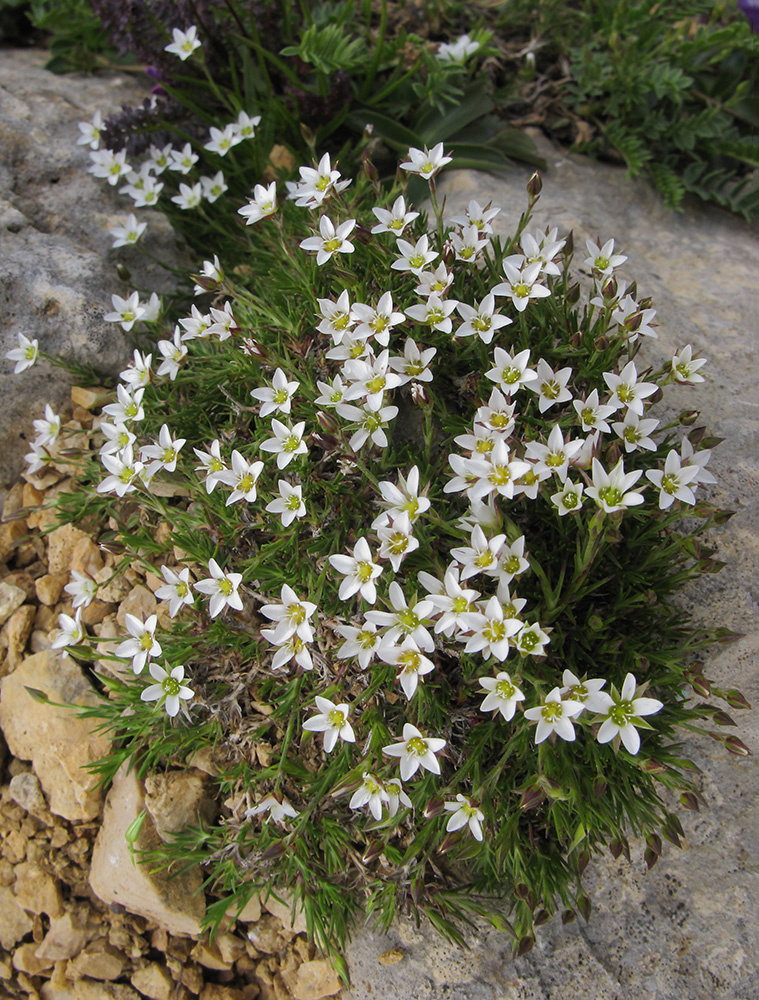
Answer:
[(688, 929), (57, 267)]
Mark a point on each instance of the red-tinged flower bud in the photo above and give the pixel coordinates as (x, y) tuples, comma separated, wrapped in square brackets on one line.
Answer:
[(274, 851), (738, 747), (327, 422), (522, 891), (541, 917), (736, 699), (526, 944), (534, 186), (252, 348), (124, 273), (531, 798), (690, 801), (324, 441), (573, 294), (433, 808), (419, 394), (449, 253), (567, 916), (448, 841), (114, 548), (656, 397), (609, 290), (583, 860), (601, 343), (599, 786), (569, 245), (373, 851), (584, 906), (654, 767), (722, 718), (688, 417), (370, 171), (701, 686)]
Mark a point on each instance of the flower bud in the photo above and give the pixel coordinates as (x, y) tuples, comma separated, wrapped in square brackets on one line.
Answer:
[(736, 746), (534, 187), (419, 394), (252, 348), (433, 808), (124, 273), (735, 699), (610, 290), (531, 798), (327, 422)]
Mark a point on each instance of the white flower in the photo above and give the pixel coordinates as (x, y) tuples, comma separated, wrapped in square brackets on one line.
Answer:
[(396, 540), (481, 556), (332, 720), (413, 364), (184, 159), (109, 166), (263, 204), (222, 140), (555, 455), (286, 443), (37, 458), (369, 379), (47, 428), (185, 42), (626, 390), (91, 131), (469, 244), (512, 561), (403, 620), (137, 374), (555, 716), (316, 184), (246, 124), (585, 691), (476, 215), (502, 696), (437, 281), (142, 644), (146, 195), (551, 386), (242, 477), (543, 247), (214, 187), (685, 366), (480, 320), (491, 631), (394, 221), (277, 397), (376, 322), (289, 504), (362, 643), (177, 590), (164, 453), (189, 196), (24, 355), (521, 284), (464, 812), (568, 500), (291, 648), (699, 459), (71, 632), (125, 311), (212, 465), (415, 751), (224, 323), (510, 373), (173, 352), (634, 432), (82, 588), (426, 162), (196, 324), (623, 713), (169, 688), (610, 489), (414, 256), (496, 472), (278, 809), (221, 587), (672, 482), (123, 472), (330, 240), (396, 796), (435, 312), (129, 233), (603, 260), (458, 52), (291, 616), (402, 499), (592, 414), (359, 570), (159, 158), (369, 793), (531, 640), (371, 424), (336, 317), (450, 599), (118, 437)]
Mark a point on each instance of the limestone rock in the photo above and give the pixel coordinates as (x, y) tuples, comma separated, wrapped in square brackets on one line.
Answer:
[(296, 923), (88, 989), (154, 982), (315, 980), (49, 587), (10, 533), (11, 597), (138, 602), (15, 923), (57, 741), (15, 634), (66, 937), (176, 903), (25, 790), (25, 960), (37, 891), (98, 961), (61, 544), (86, 557), (176, 799)]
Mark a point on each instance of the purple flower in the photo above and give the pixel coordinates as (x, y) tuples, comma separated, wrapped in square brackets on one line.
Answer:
[(751, 9)]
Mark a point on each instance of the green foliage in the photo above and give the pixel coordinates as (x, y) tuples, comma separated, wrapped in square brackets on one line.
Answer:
[(78, 43), (599, 584)]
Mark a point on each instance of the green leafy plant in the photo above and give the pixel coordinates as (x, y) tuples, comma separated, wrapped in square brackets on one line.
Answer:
[(371, 488)]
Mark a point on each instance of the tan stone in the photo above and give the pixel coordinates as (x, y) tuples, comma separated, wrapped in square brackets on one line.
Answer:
[(251, 912), (16, 631), (217, 991), (25, 960), (66, 937), (23, 580), (266, 935), (207, 954), (96, 612), (315, 980), (61, 544), (11, 597), (37, 891), (86, 557), (57, 741), (154, 982), (177, 799), (13, 847), (15, 923), (138, 602), (153, 582), (87, 989), (176, 903), (112, 589), (25, 790), (88, 397), (10, 533), (49, 587), (14, 501), (284, 910), (98, 961)]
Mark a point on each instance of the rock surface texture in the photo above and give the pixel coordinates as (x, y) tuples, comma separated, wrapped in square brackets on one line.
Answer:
[(688, 929), (57, 268)]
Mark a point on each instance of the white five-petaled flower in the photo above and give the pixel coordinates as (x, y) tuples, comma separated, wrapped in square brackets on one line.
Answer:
[(363, 643), (185, 42), (316, 184), (376, 321), (464, 813), (403, 620), (522, 284), (126, 312), (142, 643), (602, 259), (247, 124), (109, 166), (278, 809), (396, 796), (164, 453), (221, 587), (434, 312), (426, 162), (481, 556), (291, 616), (511, 373), (569, 498), (24, 355), (685, 366), (402, 499), (169, 688), (48, 427), (491, 631), (91, 131), (212, 464), (551, 386), (71, 632), (190, 195), (184, 159), (450, 599), (128, 233), (623, 711), (531, 640), (673, 481), (82, 588), (332, 720), (330, 240), (457, 52), (415, 751), (242, 477), (369, 793), (502, 696), (173, 353), (286, 443), (177, 589), (124, 471), (585, 691), (592, 414), (289, 504), (395, 220), (611, 490), (555, 455), (262, 205), (223, 139), (214, 187), (555, 716), (626, 390), (480, 320), (396, 539), (360, 572), (414, 256)]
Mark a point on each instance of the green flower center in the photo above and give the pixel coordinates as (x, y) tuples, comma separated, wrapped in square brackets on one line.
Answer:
[(127, 474), (529, 640), (182, 589), (499, 420), (336, 718), (555, 460), (579, 692), (408, 619), (621, 713), (296, 614), (246, 483), (588, 416), (505, 690), (570, 500), (466, 253), (684, 370), (482, 324), (341, 321), (225, 587), (417, 745), (521, 290), (551, 390), (366, 638), (131, 410), (215, 465), (602, 263), (169, 455), (670, 484), (610, 495), (511, 374), (625, 392), (331, 246), (293, 502), (435, 316), (417, 261), (631, 434), (280, 396), (364, 571), (410, 660), (323, 183), (170, 686), (500, 476), (395, 224), (511, 565), (484, 559), (398, 543), (376, 384), (459, 605), (551, 711), (495, 631), (146, 641), (291, 443)]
